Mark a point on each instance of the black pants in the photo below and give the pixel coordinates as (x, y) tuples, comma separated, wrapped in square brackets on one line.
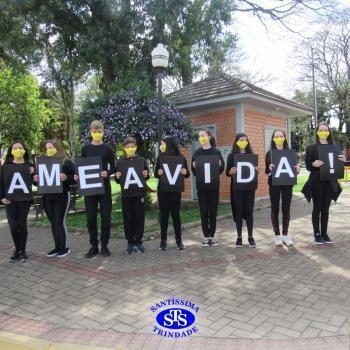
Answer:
[(134, 219), (56, 208), (321, 199), (286, 193), (169, 203), (17, 214), (208, 206), (243, 206), (91, 206)]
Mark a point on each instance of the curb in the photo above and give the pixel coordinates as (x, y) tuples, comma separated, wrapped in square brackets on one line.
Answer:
[(14, 341)]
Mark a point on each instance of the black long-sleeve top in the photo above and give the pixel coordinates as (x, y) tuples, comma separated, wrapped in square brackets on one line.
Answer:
[(268, 161), (2, 184), (208, 152), (105, 152), (157, 167)]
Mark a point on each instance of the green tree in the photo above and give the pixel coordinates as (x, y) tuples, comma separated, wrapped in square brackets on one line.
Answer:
[(23, 114)]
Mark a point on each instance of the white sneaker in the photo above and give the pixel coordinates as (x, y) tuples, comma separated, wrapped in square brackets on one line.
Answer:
[(214, 241), (205, 242), (287, 241), (278, 241)]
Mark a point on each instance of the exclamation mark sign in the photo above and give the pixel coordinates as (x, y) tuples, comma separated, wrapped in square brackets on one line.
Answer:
[(331, 162)]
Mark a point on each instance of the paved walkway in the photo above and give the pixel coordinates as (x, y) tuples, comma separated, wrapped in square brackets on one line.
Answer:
[(263, 298)]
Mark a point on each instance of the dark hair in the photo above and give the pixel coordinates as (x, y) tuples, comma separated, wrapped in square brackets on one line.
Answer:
[(9, 156), (285, 143), (209, 133), (172, 148), (235, 148), (128, 140), (330, 139)]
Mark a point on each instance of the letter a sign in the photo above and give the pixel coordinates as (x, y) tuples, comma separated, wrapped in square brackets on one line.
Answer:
[(284, 172)]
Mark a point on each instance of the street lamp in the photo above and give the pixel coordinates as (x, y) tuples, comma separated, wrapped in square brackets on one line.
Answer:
[(160, 60)]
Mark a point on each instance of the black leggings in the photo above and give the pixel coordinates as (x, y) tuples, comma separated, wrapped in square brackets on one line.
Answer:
[(17, 214), (321, 199), (169, 203), (56, 208), (286, 193), (242, 203), (91, 206), (134, 219), (208, 206)]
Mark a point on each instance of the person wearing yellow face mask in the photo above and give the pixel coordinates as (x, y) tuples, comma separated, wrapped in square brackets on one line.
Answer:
[(208, 199), (133, 207), (279, 142), (17, 211), (321, 192), (99, 149), (56, 205), (170, 202), (242, 201)]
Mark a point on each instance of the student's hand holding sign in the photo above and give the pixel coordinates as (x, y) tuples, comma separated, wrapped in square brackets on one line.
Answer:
[(76, 178), (145, 173), (31, 170), (317, 163), (36, 178), (63, 176), (297, 168), (233, 171), (5, 201), (118, 174), (341, 157), (271, 166), (104, 174), (160, 172), (183, 171)]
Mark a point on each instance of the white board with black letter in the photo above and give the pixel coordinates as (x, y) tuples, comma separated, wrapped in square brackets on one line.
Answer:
[(17, 182), (284, 172), (90, 181), (49, 170), (333, 168), (172, 180), (246, 177), (207, 172), (132, 181)]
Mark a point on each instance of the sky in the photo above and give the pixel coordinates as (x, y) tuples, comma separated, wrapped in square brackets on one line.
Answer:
[(273, 51)]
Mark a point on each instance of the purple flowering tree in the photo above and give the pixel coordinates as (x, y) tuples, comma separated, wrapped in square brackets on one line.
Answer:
[(130, 113)]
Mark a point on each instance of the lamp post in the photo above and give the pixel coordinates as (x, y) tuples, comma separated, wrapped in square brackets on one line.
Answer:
[(160, 60)]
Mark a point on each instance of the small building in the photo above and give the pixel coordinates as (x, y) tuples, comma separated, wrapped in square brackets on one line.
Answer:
[(227, 105)]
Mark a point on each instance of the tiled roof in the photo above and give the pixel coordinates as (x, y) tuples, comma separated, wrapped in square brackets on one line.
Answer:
[(223, 85)]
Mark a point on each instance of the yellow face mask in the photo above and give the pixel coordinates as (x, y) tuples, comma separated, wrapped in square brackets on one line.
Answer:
[(323, 134), (130, 151), (279, 141), (162, 148), (203, 140), (242, 144), (18, 153), (96, 136), (51, 151)]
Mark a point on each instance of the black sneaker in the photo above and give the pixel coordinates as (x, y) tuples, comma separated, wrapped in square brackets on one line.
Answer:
[(93, 251), (63, 252), (129, 248), (53, 252), (22, 256), (326, 239), (14, 256), (105, 251), (180, 245), (318, 239), (251, 242), (163, 245), (239, 242), (140, 248)]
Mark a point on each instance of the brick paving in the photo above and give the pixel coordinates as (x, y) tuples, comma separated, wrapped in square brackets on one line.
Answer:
[(263, 298)]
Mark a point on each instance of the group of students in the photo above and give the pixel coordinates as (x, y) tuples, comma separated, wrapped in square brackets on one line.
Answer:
[(56, 206)]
